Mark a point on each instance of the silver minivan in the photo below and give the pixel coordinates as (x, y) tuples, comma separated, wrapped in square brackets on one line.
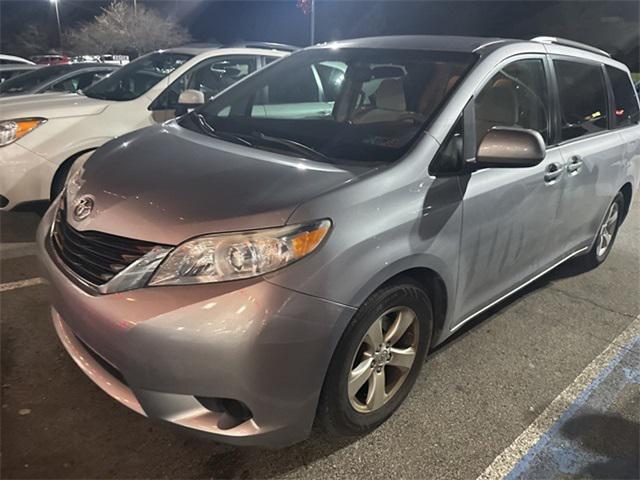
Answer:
[(289, 252)]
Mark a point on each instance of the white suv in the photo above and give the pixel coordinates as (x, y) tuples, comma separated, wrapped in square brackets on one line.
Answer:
[(42, 135)]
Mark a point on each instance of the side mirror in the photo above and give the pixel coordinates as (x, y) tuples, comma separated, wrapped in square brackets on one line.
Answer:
[(191, 98), (510, 147)]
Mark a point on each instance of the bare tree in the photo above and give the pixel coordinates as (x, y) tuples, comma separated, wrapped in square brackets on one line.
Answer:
[(120, 29), (31, 40)]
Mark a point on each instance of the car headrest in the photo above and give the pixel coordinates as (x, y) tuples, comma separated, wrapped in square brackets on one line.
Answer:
[(390, 95), (498, 104)]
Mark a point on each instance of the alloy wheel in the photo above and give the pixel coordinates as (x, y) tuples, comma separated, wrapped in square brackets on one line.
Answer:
[(608, 230), (384, 359)]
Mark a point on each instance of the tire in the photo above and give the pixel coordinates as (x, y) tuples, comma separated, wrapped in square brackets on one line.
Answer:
[(342, 413), (597, 255)]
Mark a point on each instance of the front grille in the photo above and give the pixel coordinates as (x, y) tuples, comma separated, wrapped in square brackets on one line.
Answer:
[(95, 257)]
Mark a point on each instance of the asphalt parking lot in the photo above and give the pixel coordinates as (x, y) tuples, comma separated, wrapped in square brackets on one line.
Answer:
[(547, 385)]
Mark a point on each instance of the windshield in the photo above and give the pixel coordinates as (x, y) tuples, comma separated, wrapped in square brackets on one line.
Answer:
[(349, 104), (28, 81), (138, 77)]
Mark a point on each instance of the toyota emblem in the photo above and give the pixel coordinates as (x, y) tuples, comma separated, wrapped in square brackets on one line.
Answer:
[(83, 207)]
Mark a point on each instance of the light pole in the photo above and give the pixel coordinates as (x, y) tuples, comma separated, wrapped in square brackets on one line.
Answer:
[(55, 3), (313, 21)]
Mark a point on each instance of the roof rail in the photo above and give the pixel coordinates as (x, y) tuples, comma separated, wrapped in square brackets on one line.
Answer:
[(571, 43), (265, 45)]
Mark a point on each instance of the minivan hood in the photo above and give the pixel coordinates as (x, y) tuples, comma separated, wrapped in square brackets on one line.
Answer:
[(166, 184), (50, 106)]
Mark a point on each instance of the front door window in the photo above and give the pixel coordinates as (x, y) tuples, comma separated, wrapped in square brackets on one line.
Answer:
[(516, 96)]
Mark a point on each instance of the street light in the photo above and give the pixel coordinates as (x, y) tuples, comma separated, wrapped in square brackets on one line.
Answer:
[(309, 7), (313, 22), (55, 2)]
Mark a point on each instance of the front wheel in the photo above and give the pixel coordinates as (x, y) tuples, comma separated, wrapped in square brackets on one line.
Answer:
[(606, 234), (377, 360)]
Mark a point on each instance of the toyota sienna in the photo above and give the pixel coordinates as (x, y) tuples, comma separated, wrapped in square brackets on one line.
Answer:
[(288, 253)]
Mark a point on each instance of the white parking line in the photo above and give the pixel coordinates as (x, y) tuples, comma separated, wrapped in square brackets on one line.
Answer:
[(507, 460), (4, 287)]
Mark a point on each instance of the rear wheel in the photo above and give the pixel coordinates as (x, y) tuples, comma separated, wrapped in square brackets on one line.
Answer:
[(378, 359), (606, 234)]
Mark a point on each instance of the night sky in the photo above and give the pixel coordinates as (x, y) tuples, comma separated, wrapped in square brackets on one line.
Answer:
[(613, 25)]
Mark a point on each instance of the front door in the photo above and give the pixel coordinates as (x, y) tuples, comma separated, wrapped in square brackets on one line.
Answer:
[(510, 215)]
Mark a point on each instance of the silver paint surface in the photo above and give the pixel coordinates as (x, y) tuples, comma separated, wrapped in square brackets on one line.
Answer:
[(268, 341)]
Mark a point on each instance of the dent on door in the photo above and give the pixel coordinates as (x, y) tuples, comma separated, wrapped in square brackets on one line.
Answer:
[(509, 230)]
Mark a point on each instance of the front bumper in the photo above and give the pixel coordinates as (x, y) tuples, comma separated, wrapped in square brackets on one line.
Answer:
[(156, 349), (25, 176)]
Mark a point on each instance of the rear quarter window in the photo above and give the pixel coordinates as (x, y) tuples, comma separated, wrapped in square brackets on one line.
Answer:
[(626, 111)]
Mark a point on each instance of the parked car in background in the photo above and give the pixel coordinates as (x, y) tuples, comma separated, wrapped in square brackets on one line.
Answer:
[(57, 78), (115, 59), (12, 60), (50, 59), (42, 135), (8, 71), (85, 59), (287, 254)]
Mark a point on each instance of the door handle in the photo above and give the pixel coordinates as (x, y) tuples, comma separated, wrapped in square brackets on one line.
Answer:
[(575, 165), (553, 171)]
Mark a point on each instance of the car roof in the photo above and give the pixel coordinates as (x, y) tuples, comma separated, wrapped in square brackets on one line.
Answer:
[(199, 48), (17, 60), (479, 45), (81, 65), (19, 66), (65, 68), (447, 43)]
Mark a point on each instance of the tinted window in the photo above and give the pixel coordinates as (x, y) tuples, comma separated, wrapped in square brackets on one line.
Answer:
[(28, 81), (517, 96), (359, 104), (626, 111), (210, 76), (300, 87), (7, 74), (138, 77), (331, 77), (583, 98), (77, 82)]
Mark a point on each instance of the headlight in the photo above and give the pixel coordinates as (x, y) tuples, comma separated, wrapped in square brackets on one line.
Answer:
[(12, 130), (218, 258)]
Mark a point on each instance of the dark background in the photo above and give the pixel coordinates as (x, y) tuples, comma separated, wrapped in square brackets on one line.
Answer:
[(610, 24)]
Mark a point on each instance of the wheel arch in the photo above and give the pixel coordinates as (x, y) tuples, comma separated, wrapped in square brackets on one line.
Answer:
[(627, 194), (427, 272), (435, 287), (63, 169)]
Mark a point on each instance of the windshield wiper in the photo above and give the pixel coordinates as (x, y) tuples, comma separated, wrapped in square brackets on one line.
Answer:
[(209, 130), (293, 145)]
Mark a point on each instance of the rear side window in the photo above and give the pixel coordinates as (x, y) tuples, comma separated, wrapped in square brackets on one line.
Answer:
[(583, 98), (626, 110)]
